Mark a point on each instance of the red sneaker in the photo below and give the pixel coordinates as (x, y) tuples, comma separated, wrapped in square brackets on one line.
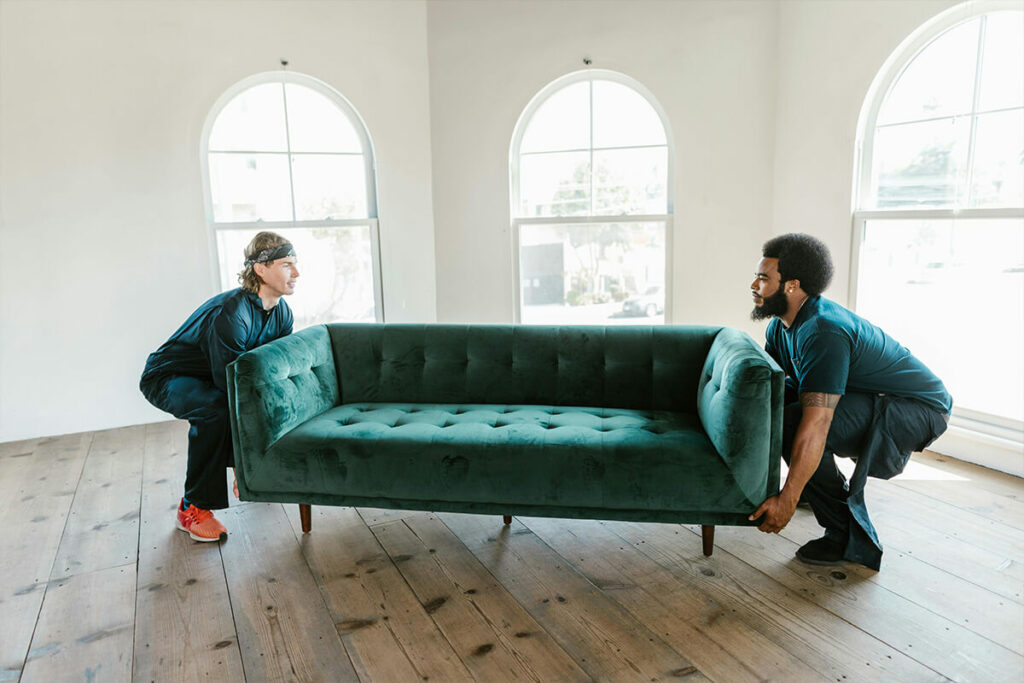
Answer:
[(200, 524)]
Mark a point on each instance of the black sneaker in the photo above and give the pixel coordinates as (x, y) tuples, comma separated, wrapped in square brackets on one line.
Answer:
[(822, 551)]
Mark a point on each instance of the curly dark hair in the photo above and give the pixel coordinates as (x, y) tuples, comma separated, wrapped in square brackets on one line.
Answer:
[(801, 257)]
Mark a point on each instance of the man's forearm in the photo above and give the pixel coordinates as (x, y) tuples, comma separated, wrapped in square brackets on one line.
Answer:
[(808, 446), (809, 442)]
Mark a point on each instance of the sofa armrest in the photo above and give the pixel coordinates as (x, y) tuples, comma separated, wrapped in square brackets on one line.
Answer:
[(740, 402), (276, 387)]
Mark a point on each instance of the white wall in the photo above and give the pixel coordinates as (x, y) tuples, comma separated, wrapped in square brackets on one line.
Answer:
[(104, 240), (829, 54), (710, 64)]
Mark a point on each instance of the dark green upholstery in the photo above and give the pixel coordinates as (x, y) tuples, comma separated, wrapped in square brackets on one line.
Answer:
[(667, 423)]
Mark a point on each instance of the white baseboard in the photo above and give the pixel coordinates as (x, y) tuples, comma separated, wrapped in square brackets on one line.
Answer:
[(1005, 455)]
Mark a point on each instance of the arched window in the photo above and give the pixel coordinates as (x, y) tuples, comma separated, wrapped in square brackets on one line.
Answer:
[(939, 216), (287, 153), (590, 169)]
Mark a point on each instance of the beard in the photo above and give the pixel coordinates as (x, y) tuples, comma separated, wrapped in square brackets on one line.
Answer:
[(774, 305)]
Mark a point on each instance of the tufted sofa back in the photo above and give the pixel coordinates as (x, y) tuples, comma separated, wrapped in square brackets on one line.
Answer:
[(644, 368), (717, 373)]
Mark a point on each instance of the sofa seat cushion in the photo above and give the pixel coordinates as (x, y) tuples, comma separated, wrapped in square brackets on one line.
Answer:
[(531, 455)]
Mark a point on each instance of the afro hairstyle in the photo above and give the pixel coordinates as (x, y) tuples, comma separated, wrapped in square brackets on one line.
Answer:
[(801, 257)]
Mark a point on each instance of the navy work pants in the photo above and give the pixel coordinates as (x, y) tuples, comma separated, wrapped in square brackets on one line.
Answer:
[(878, 432), (209, 436)]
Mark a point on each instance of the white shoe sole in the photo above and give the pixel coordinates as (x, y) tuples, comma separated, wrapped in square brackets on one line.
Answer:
[(178, 526)]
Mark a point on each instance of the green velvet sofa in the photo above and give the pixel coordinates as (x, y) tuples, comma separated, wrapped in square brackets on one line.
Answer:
[(669, 423)]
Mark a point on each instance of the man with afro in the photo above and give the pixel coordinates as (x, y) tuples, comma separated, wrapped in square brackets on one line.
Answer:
[(851, 390)]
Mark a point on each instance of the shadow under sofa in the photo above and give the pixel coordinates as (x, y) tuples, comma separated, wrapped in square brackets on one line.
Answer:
[(673, 423)]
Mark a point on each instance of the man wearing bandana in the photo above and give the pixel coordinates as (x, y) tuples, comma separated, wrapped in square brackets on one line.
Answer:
[(851, 390), (186, 376)]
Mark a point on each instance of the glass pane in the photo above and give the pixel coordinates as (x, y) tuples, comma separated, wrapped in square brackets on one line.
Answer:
[(561, 122), (250, 187), (939, 81), (252, 122), (554, 184), (921, 164), (601, 273), (998, 178), (335, 272), (316, 124), (624, 118), (1002, 65), (631, 181), (329, 186), (953, 293)]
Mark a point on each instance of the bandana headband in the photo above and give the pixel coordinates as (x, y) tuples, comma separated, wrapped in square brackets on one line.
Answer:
[(281, 251)]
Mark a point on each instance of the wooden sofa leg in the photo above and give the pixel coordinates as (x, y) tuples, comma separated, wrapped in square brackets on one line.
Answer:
[(707, 537), (306, 517), (507, 519)]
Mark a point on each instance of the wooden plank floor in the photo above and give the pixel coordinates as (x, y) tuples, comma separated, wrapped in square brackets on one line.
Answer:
[(97, 585)]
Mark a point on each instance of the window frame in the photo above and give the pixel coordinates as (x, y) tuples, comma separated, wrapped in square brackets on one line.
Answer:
[(991, 434), (516, 222), (372, 221)]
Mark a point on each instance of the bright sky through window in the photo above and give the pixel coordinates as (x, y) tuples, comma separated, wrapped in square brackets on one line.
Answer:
[(941, 217), (591, 148)]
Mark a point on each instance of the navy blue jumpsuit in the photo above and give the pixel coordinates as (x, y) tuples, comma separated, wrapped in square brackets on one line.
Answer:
[(186, 377)]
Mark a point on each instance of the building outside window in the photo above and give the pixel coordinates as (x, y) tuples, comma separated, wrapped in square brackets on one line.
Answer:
[(939, 216), (285, 152), (590, 169)]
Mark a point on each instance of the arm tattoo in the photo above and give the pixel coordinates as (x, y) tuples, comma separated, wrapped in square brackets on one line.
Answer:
[(819, 400)]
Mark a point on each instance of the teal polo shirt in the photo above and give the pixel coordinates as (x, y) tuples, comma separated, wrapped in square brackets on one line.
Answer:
[(832, 350)]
